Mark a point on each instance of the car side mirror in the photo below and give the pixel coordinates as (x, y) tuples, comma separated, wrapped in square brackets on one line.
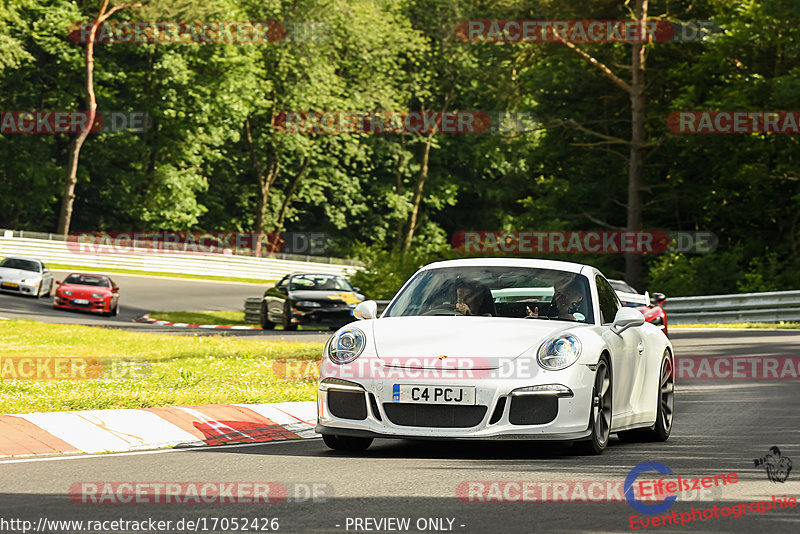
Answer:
[(357, 289), (626, 318), (366, 310), (660, 298), (115, 289), (59, 282)]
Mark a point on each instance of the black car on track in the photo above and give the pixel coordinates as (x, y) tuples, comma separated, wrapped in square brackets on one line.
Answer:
[(309, 299)]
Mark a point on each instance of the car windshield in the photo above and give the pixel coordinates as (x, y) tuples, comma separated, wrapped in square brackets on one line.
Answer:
[(22, 265), (496, 292), (319, 282), (83, 280)]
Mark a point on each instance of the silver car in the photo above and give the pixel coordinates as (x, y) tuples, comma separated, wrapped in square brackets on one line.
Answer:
[(27, 276)]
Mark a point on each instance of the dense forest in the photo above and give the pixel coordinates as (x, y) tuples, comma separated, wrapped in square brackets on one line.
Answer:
[(596, 151)]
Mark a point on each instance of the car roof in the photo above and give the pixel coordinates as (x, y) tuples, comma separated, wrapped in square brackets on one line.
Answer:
[(27, 258), (510, 262)]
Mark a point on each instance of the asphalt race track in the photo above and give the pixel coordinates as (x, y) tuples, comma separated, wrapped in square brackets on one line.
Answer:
[(143, 294), (721, 426), (138, 295)]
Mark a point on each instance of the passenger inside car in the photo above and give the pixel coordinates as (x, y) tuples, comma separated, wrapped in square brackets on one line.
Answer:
[(566, 304)]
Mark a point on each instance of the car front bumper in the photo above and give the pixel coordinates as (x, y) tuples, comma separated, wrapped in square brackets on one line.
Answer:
[(18, 287), (322, 316), (94, 305), (364, 406)]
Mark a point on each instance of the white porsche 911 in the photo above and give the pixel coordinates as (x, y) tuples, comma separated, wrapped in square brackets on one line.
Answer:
[(498, 349)]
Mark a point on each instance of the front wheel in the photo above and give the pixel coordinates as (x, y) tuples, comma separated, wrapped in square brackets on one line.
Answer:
[(666, 407), (287, 319), (266, 324), (346, 443), (600, 412)]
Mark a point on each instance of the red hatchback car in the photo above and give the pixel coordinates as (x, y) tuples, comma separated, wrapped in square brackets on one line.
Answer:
[(89, 292)]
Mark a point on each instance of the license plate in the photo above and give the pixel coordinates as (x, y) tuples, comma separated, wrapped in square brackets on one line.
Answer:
[(11, 285), (80, 301), (433, 394)]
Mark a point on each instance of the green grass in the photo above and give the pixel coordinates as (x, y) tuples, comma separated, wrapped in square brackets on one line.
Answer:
[(780, 325), (176, 370), (229, 318), (223, 318), (79, 268)]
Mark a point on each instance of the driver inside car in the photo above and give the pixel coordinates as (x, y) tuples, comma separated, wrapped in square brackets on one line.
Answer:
[(474, 299), (565, 302)]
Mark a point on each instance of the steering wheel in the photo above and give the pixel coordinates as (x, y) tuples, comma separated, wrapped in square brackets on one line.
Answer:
[(442, 310)]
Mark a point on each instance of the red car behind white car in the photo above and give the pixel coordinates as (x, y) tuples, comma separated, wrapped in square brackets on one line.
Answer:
[(88, 292), (650, 304)]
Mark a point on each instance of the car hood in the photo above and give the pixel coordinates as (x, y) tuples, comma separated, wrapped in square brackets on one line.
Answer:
[(485, 342), (79, 290), (335, 295), (15, 275)]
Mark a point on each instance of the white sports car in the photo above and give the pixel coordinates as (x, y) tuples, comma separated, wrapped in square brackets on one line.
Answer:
[(498, 349), (28, 276)]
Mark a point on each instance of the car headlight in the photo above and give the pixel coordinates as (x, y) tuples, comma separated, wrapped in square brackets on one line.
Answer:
[(346, 346), (68, 293), (307, 304), (559, 352), (97, 295)]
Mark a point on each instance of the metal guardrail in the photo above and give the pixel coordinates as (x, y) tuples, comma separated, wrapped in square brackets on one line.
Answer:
[(23, 234), (57, 251), (769, 307)]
